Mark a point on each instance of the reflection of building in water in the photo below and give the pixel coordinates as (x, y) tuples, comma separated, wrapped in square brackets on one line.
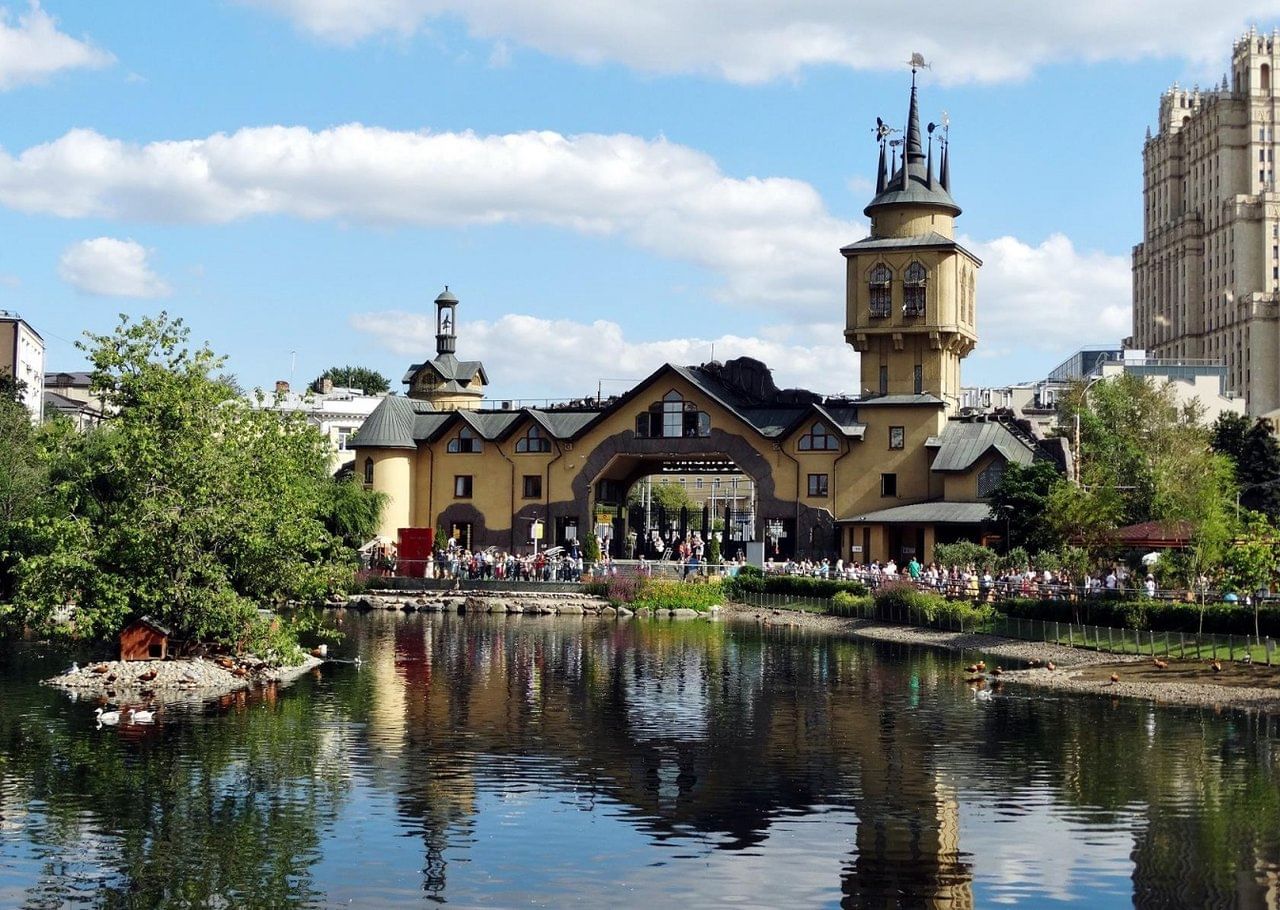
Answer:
[(678, 722)]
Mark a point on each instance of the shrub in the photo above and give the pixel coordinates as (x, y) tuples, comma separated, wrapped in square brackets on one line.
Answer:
[(846, 603), (1155, 615), (662, 594), (797, 585)]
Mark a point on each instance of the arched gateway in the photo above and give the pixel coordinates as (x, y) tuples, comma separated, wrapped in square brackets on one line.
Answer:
[(884, 475)]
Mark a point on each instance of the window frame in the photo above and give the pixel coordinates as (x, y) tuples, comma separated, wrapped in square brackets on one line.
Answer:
[(819, 486), (897, 438), (474, 445), (532, 490), (914, 285), (880, 291), (533, 442), (368, 469), (818, 431), (889, 485), (463, 486)]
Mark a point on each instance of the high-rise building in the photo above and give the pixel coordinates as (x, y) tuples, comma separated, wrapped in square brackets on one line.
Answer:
[(1206, 277)]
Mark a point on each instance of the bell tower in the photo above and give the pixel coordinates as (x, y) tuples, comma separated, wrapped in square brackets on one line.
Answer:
[(909, 300), (446, 322)]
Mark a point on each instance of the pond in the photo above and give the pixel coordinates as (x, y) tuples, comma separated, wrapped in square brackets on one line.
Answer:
[(541, 761)]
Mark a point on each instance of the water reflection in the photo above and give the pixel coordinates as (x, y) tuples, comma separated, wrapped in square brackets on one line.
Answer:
[(548, 761)]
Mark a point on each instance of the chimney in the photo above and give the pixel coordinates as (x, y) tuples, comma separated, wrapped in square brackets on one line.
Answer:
[(282, 387), (326, 386)]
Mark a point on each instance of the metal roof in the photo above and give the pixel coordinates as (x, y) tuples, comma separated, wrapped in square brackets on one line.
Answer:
[(901, 400), (962, 443), (931, 241), (450, 368), (390, 426), (926, 513)]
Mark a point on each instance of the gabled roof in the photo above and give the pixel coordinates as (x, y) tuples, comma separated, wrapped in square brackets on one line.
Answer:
[(926, 513), (963, 442), (450, 369)]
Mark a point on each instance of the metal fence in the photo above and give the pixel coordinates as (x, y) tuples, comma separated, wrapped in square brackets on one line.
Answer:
[(1178, 645)]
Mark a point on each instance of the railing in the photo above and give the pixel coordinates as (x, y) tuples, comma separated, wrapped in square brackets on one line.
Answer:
[(1146, 642)]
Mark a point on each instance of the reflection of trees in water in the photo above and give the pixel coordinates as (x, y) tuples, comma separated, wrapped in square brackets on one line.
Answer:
[(692, 729), (192, 812)]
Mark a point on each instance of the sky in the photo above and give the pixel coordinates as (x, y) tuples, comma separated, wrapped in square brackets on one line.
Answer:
[(606, 186)]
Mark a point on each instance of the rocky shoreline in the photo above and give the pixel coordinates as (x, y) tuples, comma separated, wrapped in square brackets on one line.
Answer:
[(1076, 670), (167, 682), (509, 602)]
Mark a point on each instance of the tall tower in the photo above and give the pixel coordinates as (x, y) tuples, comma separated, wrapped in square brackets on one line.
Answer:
[(1206, 276), (909, 286), (445, 381)]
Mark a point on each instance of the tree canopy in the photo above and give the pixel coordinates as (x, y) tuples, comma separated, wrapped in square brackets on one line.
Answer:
[(669, 496), (188, 505), (1020, 502), (371, 382)]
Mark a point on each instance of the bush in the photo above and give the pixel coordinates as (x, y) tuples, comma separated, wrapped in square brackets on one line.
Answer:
[(749, 571), (797, 585), (661, 594), (846, 603), (965, 553)]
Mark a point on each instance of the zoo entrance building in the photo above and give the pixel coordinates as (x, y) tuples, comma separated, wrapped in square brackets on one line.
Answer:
[(887, 474)]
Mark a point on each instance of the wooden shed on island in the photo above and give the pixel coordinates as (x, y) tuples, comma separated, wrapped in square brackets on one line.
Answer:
[(144, 639)]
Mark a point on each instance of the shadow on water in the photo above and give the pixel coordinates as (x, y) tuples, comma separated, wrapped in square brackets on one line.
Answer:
[(480, 760)]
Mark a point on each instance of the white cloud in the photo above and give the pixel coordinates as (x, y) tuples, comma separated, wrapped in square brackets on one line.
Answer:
[(771, 239), (107, 267), (1049, 298), (560, 358), (34, 49), (758, 40)]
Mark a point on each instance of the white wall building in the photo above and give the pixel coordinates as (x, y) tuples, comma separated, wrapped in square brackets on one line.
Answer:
[(22, 357), (336, 412)]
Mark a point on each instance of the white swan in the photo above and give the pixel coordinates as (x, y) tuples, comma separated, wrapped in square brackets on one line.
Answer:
[(141, 717), (106, 717), (982, 694)]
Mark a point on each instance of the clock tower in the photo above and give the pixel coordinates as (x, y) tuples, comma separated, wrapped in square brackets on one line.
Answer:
[(909, 301)]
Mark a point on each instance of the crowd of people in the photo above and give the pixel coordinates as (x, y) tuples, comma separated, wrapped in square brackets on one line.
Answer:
[(969, 581)]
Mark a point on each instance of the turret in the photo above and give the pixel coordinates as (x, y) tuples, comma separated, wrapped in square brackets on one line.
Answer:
[(446, 322)]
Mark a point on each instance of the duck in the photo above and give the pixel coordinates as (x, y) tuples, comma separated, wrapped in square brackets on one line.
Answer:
[(1115, 678), (1217, 666), (1050, 665), (149, 675), (997, 671), (106, 717), (982, 694), (74, 668), (141, 717)]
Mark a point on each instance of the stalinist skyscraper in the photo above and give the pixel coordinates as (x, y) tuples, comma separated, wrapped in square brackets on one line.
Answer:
[(1206, 277)]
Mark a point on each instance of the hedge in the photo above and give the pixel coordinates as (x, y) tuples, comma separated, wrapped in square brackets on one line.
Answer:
[(798, 585)]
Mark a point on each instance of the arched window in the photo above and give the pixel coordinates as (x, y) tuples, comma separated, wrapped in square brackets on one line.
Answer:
[(673, 417), (880, 286), (465, 441), (368, 470), (1265, 73), (533, 441), (818, 439), (913, 290)]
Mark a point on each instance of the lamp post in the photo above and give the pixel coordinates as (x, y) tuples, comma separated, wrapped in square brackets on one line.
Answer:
[(1084, 400)]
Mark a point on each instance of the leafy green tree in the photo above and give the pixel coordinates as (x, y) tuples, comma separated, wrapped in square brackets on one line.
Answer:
[(1227, 434), (965, 553), (189, 505), (670, 496), (1019, 504), (1252, 562), (23, 477), (351, 512), (371, 382), (1258, 471)]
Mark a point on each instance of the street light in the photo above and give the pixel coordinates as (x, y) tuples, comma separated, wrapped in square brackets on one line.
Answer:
[(1084, 400)]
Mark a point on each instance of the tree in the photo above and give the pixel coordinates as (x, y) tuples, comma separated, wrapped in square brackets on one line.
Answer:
[(351, 512), (189, 505), (23, 477), (1019, 503), (670, 496), (1227, 434), (371, 382), (1252, 563), (1258, 471)]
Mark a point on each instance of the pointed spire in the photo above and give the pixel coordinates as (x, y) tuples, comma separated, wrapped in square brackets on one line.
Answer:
[(928, 179), (882, 176), (913, 149), (944, 178)]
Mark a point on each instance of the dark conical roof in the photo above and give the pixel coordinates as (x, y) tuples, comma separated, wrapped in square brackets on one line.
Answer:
[(912, 184), (447, 296)]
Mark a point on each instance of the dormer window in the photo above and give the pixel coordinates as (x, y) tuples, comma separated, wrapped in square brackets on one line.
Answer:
[(465, 441), (533, 442), (880, 284), (818, 439), (913, 286)]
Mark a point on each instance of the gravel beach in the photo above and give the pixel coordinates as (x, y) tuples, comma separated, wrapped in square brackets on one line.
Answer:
[(172, 681), (1076, 670)]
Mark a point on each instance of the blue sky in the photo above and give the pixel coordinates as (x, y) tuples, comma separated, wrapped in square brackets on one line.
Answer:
[(605, 186)]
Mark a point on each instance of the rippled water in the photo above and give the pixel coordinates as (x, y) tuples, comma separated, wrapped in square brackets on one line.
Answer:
[(536, 761)]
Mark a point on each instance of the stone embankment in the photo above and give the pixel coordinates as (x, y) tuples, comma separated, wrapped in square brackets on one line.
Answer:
[(169, 681), (508, 602)]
